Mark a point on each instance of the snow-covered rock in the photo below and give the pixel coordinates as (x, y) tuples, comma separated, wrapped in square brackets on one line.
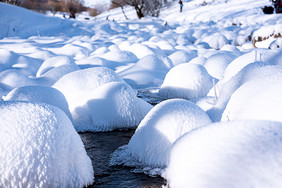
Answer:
[(53, 62), (40, 148), (162, 126), (114, 106), (38, 94), (148, 71), (217, 63), (87, 92), (229, 154), (186, 81), (258, 98)]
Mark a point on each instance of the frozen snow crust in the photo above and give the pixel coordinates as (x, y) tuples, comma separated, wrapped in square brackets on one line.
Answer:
[(161, 127), (228, 154), (40, 148)]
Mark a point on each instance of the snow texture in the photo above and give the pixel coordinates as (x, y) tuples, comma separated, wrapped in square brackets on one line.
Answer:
[(228, 154), (163, 125), (39, 94), (186, 81), (40, 148)]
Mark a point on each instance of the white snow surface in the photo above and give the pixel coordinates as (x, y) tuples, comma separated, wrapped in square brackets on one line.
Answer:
[(163, 125), (39, 94), (40, 148), (186, 80), (205, 54), (97, 105), (228, 154)]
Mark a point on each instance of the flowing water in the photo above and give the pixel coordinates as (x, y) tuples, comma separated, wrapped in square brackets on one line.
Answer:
[(99, 147)]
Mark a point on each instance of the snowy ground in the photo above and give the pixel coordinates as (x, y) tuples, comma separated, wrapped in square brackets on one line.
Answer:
[(90, 72)]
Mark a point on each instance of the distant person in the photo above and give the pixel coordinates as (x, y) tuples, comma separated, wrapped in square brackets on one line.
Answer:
[(278, 6), (181, 5)]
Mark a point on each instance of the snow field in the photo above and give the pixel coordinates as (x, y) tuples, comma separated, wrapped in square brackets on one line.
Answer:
[(87, 75)]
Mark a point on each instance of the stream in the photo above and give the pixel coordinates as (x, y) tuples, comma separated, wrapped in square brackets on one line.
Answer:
[(99, 147)]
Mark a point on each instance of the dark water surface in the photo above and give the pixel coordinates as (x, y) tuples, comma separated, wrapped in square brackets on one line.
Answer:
[(99, 147)]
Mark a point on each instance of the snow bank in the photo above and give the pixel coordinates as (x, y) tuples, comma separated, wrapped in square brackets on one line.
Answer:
[(41, 94), (234, 153), (186, 81), (17, 21), (162, 126), (40, 148)]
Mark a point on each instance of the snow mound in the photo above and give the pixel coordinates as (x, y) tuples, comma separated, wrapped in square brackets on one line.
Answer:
[(140, 50), (115, 106), (162, 126), (54, 74), (217, 41), (186, 81), (53, 62), (120, 56), (228, 154), (257, 99), (40, 148), (148, 71), (179, 57), (87, 88), (38, 94), (12, 78), (217, 63), (7, 59)]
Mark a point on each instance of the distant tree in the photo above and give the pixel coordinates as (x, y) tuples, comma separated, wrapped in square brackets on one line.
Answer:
[(73, 7), (13, 2), (144, 7), (54, 6)]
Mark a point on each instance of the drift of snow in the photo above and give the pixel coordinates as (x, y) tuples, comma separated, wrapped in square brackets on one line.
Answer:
[(162, 126), (40, 148), (235, 153)]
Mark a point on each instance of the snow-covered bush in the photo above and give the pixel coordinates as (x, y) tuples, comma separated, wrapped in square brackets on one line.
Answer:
[(40, 148), (186, 81), (228, 154), (161, 127)]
